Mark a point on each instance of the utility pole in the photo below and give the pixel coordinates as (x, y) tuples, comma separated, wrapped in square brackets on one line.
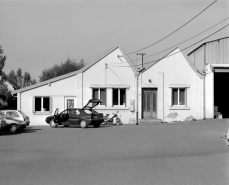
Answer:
[(142, 54), (138, 73)]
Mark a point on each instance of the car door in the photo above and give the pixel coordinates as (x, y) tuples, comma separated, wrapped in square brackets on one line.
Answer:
[(63, 116), (74, 117)]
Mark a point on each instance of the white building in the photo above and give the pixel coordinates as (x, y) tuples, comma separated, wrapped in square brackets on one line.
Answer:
[(212, 59), (173, 89), (101, 79)]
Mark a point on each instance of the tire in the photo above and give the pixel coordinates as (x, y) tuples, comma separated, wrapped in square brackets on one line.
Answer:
[(13, 129), (52, 124), (96, 125), (83, 124), (66, 125)]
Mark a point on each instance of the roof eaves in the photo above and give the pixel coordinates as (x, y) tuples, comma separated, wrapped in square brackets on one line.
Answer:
[(66, 75), (156, 61), (205, 44), (192, 66), (99, 58), (127, 58), (47, 82)]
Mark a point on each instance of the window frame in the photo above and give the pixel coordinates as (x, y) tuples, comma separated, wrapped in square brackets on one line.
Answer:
[(119, 98), (42, 103), (99, 95), (178, 97)]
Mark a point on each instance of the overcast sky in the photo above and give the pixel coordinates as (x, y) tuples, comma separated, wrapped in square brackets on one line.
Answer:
[(36, 34)]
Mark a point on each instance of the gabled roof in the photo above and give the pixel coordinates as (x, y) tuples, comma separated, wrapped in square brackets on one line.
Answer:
[(206, 43), (69, 74), (156, 61), (187, 59)]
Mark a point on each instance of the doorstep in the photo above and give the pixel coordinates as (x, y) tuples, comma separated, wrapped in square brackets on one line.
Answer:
[(149, 121)]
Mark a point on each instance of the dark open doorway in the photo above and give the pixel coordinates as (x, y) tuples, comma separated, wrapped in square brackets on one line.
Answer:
[(221, 93)]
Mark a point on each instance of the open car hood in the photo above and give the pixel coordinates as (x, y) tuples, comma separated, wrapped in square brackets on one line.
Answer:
[(91, 104)]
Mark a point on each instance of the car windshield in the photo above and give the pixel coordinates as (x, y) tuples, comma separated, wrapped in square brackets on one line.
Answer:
[(4, 115), (12, 114), (23, 113)]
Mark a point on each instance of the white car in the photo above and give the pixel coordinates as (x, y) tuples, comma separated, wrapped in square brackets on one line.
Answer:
[(17, 114)]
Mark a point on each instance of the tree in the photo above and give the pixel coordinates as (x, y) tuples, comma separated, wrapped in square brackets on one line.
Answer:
[(68, 66), (26, 79), (3, 87), (2, 60), (12, 76), (19, 77), (21, 80)]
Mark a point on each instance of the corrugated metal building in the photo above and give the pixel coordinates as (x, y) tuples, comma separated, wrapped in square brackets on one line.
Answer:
[(212, 59)]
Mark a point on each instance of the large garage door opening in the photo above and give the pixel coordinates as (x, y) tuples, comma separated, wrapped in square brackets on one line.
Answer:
[(221, 93)]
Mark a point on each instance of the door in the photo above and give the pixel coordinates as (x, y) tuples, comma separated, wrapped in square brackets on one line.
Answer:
[(149, 103), (70, 102), (74, 117)]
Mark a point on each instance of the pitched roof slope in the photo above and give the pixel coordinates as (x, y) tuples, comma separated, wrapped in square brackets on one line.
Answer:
[(187, 59), (206, 43), (69, 74)]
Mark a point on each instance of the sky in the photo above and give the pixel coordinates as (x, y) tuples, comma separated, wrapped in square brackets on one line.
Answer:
[(37, 34)]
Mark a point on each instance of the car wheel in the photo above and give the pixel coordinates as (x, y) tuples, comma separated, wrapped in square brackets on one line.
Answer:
[(13, 129), (83, 124), (96, 125), (52, 124)]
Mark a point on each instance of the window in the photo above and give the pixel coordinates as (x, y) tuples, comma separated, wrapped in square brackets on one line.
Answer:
[(42, 104), (100, 94), (178, 96), (74, 112), (119, 97)]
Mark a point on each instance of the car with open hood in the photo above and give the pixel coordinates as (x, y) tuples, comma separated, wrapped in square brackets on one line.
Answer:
[(76, 116)]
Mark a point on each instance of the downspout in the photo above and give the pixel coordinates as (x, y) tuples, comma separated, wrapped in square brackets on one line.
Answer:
[(137, 100), (82, 90), (204, 116), (204, 97)]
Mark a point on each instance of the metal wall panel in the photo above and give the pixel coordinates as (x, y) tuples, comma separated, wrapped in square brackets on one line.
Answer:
[(214, 52)]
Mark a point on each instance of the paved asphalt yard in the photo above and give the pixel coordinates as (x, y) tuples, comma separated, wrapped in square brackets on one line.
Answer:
[(188, 153)]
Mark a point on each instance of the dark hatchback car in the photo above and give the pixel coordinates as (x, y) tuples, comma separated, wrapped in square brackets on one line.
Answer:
[(74, 116)]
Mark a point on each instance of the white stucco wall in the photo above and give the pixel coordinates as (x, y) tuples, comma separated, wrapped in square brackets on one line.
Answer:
[(174, 70), (58, 90), (108, 78)]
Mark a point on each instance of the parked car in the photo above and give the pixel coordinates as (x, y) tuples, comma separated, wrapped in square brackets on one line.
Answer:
[(75, 116), (11, 124), (2, 122), (17, 114)]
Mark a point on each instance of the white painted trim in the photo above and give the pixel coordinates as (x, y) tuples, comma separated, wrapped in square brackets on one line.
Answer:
[(219, 65), (179, 85), (109, 86), (149, 86), (179, 108), (112, 108)]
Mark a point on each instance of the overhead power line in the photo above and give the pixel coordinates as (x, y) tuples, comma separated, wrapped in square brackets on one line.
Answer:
[(178, 51), (172, 32), (182, 41)]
